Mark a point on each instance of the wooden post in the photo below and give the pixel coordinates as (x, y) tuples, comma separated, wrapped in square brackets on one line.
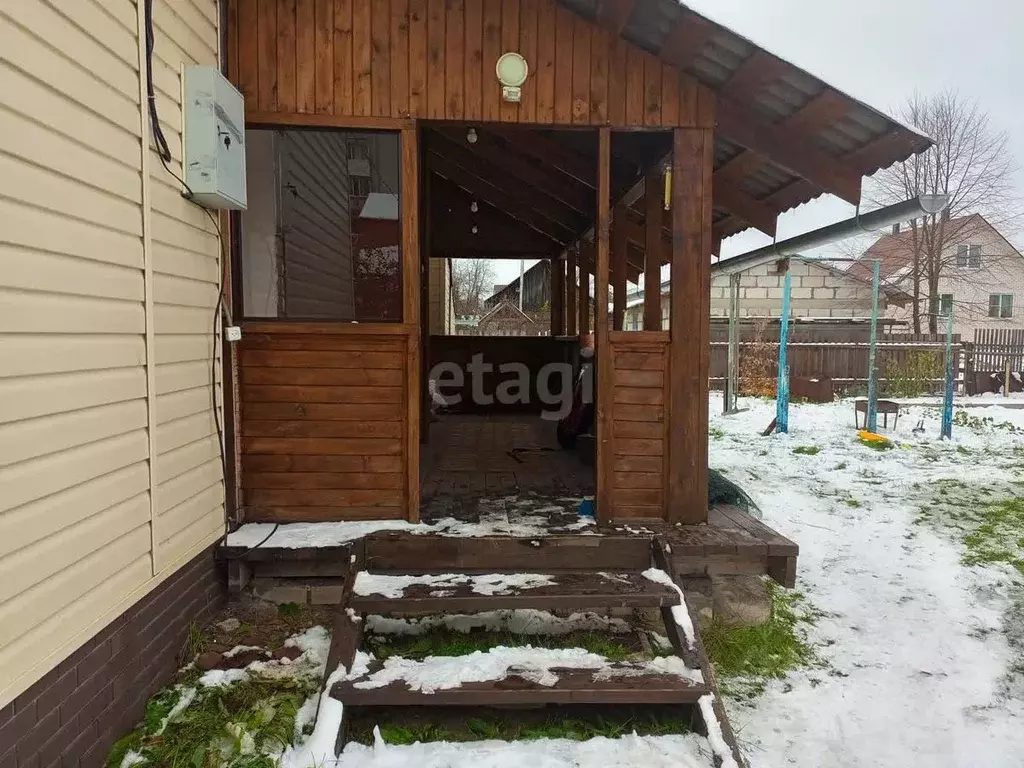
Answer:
[(557, 297), (411, 315), (618, 258), (653, 211), (570, 292), (602, 348), (586, 259), (689, 350)]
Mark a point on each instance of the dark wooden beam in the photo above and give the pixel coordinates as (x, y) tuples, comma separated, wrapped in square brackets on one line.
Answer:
[(506, 157), (827, 107), (653, 251), (551, 208), (757, 71), (498, 235), (759, 215), (741, 125), (554, 154), (499, 198), (685, 40)]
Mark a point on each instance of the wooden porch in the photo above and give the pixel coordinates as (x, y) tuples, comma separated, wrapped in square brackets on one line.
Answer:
[(633, 146)]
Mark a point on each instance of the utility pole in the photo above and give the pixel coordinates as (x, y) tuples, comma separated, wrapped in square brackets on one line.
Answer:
[(872, 416), (782, 387)]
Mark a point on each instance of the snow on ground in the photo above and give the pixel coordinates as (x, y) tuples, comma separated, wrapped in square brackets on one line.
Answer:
[(914, 639), (532, 521), (689, 751)]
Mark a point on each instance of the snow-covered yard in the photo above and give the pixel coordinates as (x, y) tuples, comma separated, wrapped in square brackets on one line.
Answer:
[(924, 651), (912, 565)]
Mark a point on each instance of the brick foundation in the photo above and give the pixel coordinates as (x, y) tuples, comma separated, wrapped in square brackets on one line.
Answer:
[(73, 715)]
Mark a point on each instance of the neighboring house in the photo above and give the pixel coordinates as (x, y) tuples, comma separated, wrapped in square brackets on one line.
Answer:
[(506, 319), (981, 276), (537, 292), (817, 290), (110, 469)]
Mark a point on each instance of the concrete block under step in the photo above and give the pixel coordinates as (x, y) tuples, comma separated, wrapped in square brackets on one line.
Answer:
[(306, 591)]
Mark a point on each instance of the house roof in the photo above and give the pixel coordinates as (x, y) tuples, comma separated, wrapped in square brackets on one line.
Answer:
[(761, 95), (380, 205), (504, 305), (891, 292), (896, 254)]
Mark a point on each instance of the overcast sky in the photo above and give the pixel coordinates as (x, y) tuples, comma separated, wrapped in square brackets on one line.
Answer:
[(880, 51)]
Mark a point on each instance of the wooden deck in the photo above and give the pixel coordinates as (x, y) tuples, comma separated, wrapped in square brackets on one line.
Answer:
[(566, 590), (469, 456)]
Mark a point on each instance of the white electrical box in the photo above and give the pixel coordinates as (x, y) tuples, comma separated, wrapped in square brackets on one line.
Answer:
[(214, 139)]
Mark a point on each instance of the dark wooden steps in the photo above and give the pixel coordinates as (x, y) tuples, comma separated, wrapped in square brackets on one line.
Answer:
[(576, 591), (573, 687)]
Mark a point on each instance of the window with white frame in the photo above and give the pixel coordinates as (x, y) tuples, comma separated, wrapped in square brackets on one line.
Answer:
[(1000, 305), (968, 255)]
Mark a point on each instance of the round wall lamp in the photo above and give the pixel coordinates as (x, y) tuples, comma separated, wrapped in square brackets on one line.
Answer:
[(512, 71)]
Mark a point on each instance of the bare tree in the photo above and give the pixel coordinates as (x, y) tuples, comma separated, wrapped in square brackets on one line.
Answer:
[(972, 165), (472, 282)]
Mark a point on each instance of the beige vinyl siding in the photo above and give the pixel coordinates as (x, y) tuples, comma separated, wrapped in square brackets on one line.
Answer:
[(95, 287), (317, 227)]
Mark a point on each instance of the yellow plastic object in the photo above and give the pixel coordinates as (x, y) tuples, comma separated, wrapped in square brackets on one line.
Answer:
[(668, 189)]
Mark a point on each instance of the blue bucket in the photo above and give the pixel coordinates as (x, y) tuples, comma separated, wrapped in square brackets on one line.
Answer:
[(586, 508)]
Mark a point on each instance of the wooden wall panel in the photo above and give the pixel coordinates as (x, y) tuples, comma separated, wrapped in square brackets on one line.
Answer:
[(638, 430), (324, 422), (382, 60)]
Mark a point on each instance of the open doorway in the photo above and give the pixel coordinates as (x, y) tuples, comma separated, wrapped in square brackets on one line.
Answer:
[(509, 265)]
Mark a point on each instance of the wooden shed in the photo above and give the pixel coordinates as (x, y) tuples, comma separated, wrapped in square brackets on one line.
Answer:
[(380, 137)]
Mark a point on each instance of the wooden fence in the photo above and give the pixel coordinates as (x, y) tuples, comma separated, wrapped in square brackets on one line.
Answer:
[(993, 348), (837, 353), (987, 358)]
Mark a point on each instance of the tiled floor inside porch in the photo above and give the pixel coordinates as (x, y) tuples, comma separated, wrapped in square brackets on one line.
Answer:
[(469, 456)]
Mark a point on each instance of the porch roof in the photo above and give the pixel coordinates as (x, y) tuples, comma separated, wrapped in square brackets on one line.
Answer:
[(783, 136)]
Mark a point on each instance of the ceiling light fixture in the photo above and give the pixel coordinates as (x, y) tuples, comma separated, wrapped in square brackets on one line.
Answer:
[(474, 207), (471, 136)]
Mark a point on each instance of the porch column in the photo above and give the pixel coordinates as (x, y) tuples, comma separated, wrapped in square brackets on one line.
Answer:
[(618, 258), (570, 293), (586, 267), (654, 215), (601, 346), (411, 314), (557, 297), (689, 348)]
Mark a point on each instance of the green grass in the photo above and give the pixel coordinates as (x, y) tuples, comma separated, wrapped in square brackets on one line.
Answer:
[(807, 450), (746, 658), (503, 728), (202, 736), (998, 535), (447, 642), (715, 433)]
